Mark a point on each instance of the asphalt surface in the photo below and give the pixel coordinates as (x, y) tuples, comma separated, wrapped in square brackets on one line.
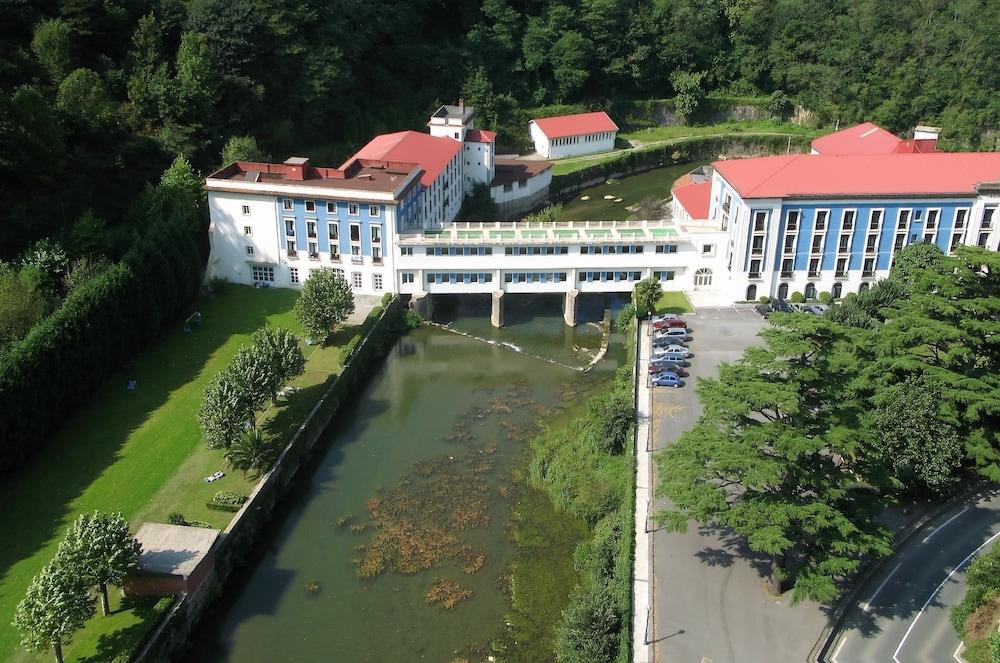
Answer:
[(901, 615), (709, 603)]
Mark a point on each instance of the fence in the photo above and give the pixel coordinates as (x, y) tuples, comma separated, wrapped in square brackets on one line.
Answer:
[(230, 550)]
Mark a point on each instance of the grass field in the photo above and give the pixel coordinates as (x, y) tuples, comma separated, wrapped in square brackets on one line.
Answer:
[(673, 302), (651, 185), (645, 139), (140, 452)]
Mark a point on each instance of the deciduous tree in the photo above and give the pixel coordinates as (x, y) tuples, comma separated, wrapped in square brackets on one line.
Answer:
[(53, 609), (101, 547), (325, 302), (280, 351)]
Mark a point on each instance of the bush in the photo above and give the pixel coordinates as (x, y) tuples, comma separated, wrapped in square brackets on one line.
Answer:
[(611, 416), (176, 518), (229, 497), (797, 297), (351, 346), (825, 298), (625, 317), (386, 298), (412, 319), (764, 299), (589, 629), (371, 319)]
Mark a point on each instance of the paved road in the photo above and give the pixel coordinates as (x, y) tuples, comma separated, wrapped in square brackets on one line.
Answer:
[(709, 605), (901, 615)]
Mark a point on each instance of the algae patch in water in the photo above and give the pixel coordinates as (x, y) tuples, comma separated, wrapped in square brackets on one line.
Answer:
[(447, 594)]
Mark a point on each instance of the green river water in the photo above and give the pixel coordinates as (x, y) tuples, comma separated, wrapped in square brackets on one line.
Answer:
[(427, 465)]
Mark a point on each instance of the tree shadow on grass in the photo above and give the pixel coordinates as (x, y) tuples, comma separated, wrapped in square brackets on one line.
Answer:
[(40, 496), (122, 643)]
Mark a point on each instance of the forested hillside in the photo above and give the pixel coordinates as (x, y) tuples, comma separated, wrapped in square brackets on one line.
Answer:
[(96, 97)]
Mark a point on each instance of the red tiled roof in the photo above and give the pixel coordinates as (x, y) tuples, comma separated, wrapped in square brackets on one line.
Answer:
[(865, 138), (432, 153), (695, 198), (818, 175), (480, 136), (575, 125)]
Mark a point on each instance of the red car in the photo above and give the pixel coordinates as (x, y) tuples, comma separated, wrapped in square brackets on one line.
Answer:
[(667, 324)]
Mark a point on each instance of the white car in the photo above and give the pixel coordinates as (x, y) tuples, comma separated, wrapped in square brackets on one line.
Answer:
[(678, 351), (664, 317)]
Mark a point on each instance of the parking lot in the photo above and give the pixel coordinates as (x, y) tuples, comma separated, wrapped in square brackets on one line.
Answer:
[(709, 604)]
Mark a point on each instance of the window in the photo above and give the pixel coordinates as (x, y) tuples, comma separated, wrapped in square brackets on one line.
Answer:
[(817, 244), (664, 276), (664, 248), (353, 209), (376, 234), (930, 226), (847, 222), (333, 231), (707, 249), (821, 217), (841, 267), (356, 233), (789, 243), (988, 217), (290, 227), (845, 243), (406, 277), (374, 210), (290, 248), (786, 268), (871, 244), (863, 287), (356, 280), (248, 231), (377, 255), (249, 250), (875, 220), (334, 251), (792, 222), (294, 271), (331, 207), (339, 273), (810, 291), (755, 268), (288, 204), (313, 250), (903, 220), (246, 210), (960, 217), (757, 246), (783, 291), (262, 273), (310, 205), (311, 229), (869, 267), (751, 293), (703, 277), (406, 250), (838, 290), (377, 281), (814, 267), (984, 239)]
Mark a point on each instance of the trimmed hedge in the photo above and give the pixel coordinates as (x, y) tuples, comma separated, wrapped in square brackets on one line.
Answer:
[(693, 150), (67, 356)]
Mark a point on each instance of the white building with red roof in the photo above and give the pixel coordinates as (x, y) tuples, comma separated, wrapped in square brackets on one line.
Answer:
[(573, 135)]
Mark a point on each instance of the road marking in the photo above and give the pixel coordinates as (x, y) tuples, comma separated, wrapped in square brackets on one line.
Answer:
[(958, 651), (868, 604), (945, 524), (836, 652), (895, 655)]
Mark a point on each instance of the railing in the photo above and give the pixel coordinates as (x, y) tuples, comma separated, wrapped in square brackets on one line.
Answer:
[(501, 232)]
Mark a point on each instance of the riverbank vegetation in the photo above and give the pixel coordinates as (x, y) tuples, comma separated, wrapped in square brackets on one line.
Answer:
[(977, 617), (805, 440), (587, 468)]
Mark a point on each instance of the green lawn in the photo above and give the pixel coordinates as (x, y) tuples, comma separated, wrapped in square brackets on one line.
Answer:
[(673, 302), (657, 136), (140, 452), (651, 185)]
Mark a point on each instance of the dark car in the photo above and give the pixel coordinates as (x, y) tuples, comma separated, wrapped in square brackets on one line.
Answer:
[(763, 310), (668, 324), (669, 368)]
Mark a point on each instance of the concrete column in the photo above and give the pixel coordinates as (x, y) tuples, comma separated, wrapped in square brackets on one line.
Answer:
[(569, 307), (422, 303), (496, 316)]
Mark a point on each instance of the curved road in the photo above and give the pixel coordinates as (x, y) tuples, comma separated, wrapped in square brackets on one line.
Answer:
[(901, 614)]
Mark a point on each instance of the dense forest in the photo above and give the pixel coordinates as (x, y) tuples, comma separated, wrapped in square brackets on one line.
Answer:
[(98, 96)]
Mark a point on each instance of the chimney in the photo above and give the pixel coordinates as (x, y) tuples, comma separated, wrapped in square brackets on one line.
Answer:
[(923, 132), (461, 105), (296, 167)]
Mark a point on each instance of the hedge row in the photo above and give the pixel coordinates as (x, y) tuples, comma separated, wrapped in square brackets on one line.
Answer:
[(67, 356), (696, 150)]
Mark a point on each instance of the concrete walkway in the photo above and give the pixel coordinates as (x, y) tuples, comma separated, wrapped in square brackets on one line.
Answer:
[(642, 591)]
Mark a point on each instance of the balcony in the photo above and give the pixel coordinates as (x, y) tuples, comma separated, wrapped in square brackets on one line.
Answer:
[(868, 273), (335, 257), (786, 274), (293, 254), (814, 273), (377, 261), (357, 260), (754, 276), (840, 274)]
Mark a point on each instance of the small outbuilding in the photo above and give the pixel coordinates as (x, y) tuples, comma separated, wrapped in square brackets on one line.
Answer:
[(175, 559), (572, 135)]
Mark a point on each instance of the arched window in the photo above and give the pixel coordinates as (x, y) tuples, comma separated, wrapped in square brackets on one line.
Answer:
[(751, 293), (863, 287), (783, 291), (838, 290), (703, 277), (810, 291)]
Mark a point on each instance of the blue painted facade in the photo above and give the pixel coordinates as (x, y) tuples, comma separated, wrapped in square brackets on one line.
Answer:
[(341, 217)]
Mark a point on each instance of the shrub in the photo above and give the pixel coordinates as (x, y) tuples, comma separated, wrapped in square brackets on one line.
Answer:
[(176, 518), (797, 297), (623, 320), (229, 497), (825, 297), (764, 299), (351, 346), (589, 628), (386, 298), (412, 319), (611, 415), (371, 319)]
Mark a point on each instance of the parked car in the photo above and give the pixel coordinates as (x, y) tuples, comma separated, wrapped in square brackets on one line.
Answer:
[(818, 309), (763, 310), (661, 360), (679, 332), (672, 351), (664, 316), (669, 324), (781, 306), (666, 380), (661, 341), (667, 367)]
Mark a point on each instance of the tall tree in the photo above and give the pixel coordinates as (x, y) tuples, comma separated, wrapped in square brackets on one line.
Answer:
[(102, 548), (772, 458), (325, 302), (224, 411), (253, 451), (53, 609), (241, 148), (52, 46), (280, 351), (645, 295)]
